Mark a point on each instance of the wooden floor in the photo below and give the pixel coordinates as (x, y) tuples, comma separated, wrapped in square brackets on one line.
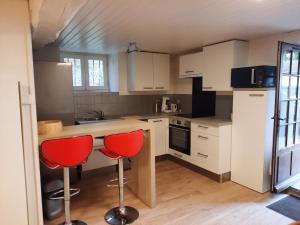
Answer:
[(184, 198)]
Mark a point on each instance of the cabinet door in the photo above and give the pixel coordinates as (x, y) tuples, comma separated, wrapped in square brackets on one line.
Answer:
[(218, 61), (160, 135), (191, 65), (140, 71), (161, 67)]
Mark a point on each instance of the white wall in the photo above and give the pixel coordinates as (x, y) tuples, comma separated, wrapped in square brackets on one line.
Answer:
[(20, 202), (263, 51)]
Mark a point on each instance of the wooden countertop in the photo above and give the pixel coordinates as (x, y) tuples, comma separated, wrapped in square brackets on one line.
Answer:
[(99, 129)]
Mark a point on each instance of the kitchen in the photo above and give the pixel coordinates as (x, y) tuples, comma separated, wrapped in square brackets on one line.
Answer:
[(203, 157)]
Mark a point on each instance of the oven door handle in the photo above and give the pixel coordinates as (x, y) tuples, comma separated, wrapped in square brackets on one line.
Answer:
[(178, 128)]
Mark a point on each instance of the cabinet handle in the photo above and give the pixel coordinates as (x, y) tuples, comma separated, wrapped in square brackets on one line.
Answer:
[(202, 155), (157, 121), (203, 127), (189, 71), (207, 88), (202, 137), (256, 95), (159, 87), (180, 156), (148, 88)]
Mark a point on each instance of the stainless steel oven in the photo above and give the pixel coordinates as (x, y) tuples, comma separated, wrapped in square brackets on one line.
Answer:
[(180, 135)]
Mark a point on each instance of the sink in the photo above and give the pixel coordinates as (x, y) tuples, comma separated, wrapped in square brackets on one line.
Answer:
[(88, 120)]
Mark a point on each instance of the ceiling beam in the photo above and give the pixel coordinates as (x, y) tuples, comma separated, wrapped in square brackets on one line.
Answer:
[(49, 18)]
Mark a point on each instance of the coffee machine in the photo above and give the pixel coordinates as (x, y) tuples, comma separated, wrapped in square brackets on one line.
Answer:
[(165, 106)]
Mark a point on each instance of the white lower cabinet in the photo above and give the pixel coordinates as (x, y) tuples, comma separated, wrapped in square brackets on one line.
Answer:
[(161, 129), (211, 147)]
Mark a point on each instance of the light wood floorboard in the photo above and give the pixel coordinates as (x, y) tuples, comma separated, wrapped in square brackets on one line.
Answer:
[(183, 198)]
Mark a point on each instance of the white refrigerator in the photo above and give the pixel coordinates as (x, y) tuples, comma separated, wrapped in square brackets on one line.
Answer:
[(252, 137)]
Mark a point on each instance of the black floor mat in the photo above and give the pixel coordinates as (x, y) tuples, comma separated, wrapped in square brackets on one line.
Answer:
[(288, 206)]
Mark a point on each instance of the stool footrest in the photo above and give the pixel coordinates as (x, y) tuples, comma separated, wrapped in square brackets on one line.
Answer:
[(116, 180), (60, 194)]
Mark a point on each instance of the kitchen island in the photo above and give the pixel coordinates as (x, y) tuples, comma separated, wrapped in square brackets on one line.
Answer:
[(141, 177)]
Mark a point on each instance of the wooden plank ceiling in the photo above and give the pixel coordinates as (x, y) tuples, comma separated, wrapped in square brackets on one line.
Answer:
[(106, 26)]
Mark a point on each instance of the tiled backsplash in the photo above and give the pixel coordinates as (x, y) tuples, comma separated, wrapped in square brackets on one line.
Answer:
[(111, 103)]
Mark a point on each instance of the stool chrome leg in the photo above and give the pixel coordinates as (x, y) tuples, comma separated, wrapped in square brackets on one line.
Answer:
[(122, 214), (67, 198)]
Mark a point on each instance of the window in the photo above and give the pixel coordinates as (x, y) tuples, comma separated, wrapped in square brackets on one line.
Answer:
[(89, 71)]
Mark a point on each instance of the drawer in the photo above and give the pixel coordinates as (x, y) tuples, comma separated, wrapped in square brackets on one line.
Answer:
[(209, 162), (204, 128), (204, 143), (180, 155)]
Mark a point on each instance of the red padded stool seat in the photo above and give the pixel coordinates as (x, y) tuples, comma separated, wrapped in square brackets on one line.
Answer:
[(119, 146), (63, 154)]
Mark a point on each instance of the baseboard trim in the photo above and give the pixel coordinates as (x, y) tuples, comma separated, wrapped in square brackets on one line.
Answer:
[(221, 178)]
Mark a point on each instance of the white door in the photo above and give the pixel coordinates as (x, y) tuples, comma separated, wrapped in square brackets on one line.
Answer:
[(218, 61), (144, 71), (191, 64), (160, 126), (13, 204), (250, 150), (161, 67)]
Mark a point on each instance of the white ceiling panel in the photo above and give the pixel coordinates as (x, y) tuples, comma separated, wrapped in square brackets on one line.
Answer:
[(106, 26)]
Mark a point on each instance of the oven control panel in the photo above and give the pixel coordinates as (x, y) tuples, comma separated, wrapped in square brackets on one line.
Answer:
[(181, 123)]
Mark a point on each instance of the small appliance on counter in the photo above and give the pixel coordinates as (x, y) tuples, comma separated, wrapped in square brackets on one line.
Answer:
[(165, 106), (253, 77)]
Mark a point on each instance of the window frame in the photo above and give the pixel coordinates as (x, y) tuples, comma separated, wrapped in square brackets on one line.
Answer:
[(105, 72), (84, 70)]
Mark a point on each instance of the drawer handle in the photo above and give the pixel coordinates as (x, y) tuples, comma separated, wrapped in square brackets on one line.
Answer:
[(148, 88), (157, 121), (203, 127), (180, 156), (160, 88), (202, 155), (207, 88), (256, 95), (189, 71), (202, 137)]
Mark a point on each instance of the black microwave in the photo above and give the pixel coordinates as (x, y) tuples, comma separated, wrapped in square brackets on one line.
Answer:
[(253, 77)]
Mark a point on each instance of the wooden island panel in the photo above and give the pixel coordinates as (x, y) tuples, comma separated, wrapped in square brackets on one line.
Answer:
[(142, 173)]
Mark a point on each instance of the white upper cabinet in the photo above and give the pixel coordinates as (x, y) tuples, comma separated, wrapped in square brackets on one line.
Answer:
[(219, 59), (148, 71), (161, 67), (191, 65)]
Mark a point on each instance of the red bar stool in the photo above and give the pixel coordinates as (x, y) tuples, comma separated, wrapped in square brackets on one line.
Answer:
[(64, 154), (119, 146)]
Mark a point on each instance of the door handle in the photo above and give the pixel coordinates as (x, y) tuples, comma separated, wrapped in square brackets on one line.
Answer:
[(203, 127), (253, 76), (189, 71), (180, 156), (207, 88), (202, 137), (202, 155), (281, 119)]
